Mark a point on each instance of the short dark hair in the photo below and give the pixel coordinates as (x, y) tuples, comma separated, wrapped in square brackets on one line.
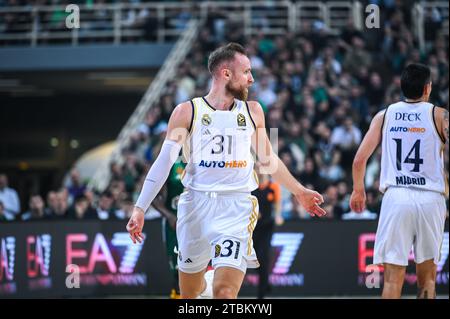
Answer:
[(224, 53), (414, 77)]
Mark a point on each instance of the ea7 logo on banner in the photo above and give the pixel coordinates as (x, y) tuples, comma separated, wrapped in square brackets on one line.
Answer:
[(290, 244), (101, 253), (102, 263)]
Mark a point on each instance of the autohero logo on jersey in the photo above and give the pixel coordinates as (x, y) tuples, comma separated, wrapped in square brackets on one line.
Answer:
[(223, 164), (403, 129), (7, 262)]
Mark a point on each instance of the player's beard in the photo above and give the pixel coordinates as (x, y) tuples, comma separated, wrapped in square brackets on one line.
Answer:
[(238, 93)]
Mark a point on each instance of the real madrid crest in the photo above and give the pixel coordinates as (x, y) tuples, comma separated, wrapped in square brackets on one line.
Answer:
[(241, 120), (206, 119)]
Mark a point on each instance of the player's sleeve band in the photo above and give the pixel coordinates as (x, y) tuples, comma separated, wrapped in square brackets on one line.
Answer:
[(158, 173)]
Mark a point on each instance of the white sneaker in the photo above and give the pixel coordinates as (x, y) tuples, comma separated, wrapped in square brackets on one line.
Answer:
[(208, 292)]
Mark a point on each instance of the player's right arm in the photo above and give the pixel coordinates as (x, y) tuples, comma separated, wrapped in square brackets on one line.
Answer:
[(177, 131), (365, 151)]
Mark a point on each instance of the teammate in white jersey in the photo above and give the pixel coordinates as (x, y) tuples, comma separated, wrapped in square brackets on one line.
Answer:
[(413, 135), (216, 213)]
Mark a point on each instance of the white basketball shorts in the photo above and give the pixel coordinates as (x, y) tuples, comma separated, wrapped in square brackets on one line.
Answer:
[(410, 218), (217, 226)]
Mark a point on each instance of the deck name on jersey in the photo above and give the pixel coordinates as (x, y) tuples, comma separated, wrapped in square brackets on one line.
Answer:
[(410, 117)]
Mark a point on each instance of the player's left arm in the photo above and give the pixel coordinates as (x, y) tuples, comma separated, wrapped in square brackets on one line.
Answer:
[(271, 164), (365, 151), (441, 115)]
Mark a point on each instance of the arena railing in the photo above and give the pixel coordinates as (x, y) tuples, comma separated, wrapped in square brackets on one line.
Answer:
[(162, 22), (426, 11)]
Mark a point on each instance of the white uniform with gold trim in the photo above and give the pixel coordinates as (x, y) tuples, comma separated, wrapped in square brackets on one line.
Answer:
[(413, 181), (217, 213)]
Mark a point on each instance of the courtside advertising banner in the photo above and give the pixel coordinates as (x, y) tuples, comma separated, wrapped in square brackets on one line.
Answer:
[(311, 258)]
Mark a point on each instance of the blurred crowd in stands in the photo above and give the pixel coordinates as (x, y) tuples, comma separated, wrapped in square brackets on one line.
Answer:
[(318, 89)]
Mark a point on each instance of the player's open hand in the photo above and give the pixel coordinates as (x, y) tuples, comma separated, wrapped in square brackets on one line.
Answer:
[(135, 225), (358, 201), (310, 200)]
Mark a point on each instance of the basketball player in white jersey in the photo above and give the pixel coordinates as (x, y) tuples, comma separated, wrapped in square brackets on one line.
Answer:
[(216, 213), (413, 133)]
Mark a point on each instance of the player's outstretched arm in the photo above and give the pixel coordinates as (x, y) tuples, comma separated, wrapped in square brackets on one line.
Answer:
[(271, 164), (366, 149), (157, 175)]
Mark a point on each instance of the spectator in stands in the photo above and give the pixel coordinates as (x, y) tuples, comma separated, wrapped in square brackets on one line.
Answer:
[(356, 56), (375, 92), (57, 204), (9, 198), (132, 170), (343, 196), (75, 186), (347, 137), (105, 206), (310, 175), (81, 209), (266, 95), (37, 210), (331, 203), (326, 155), (52, 203), (3, 217), (62, 204), (126, 208), (359, 104), (116, 169)]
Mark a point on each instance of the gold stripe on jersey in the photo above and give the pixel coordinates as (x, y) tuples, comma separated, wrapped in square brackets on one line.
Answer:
[(251, 226), (256, 177)]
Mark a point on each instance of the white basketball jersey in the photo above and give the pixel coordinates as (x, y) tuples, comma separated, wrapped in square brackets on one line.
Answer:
[(412, 149), (218, 149)]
